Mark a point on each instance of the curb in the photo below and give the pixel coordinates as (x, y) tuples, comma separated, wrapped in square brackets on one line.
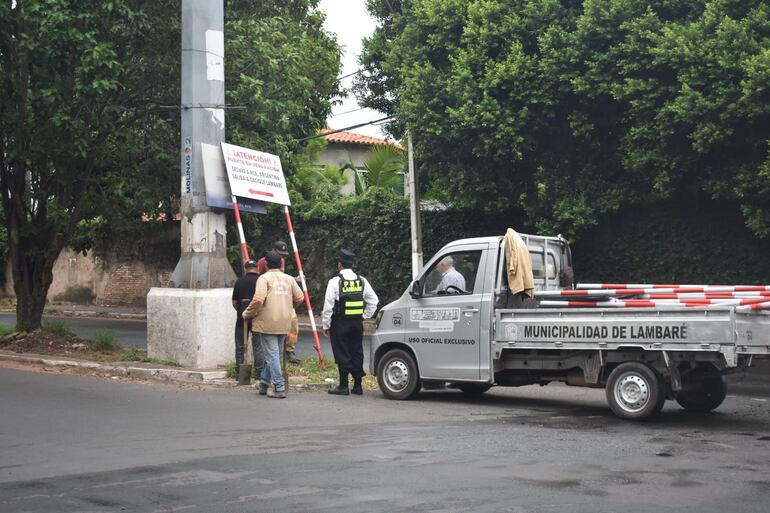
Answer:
[(98, 314), (208, 377), (154, 373)]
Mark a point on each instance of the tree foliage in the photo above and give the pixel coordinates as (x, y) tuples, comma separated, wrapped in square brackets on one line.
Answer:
[(89, 116), (572, 109)]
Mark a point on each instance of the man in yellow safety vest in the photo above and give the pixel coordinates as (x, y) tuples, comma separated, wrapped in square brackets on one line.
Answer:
[(349, 299)]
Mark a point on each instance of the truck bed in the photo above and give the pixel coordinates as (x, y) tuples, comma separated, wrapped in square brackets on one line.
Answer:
[(722, 330)]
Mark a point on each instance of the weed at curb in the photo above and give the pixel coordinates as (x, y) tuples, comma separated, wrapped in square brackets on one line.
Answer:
[(58, 327), (105, 341)]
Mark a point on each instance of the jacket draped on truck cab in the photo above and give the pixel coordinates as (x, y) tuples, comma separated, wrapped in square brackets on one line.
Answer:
[(518, 264)]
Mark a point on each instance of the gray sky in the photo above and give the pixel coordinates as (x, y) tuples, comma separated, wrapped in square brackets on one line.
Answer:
[(350, 22)]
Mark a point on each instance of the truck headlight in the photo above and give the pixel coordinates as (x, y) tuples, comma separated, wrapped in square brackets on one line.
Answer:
[(378, 319)]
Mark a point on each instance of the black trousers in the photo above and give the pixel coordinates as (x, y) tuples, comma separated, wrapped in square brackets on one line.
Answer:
[(240, 348), (347, 345)]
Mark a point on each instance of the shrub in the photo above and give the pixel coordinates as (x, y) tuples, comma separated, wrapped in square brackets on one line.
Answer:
[(105, 341), (57, 327)]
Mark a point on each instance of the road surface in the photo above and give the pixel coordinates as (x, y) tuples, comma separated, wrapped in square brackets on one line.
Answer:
[(84, 444)]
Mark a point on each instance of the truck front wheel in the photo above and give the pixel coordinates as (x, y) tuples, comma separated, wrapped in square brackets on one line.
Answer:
[(706, 396), (634, 391), (397, 375)]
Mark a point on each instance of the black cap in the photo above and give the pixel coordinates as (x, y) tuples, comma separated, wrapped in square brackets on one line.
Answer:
[(273, 260), (346, 256), (281, 248), (249, 263)]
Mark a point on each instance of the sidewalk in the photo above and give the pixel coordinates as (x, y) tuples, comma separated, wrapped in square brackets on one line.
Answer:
[(125, 369)]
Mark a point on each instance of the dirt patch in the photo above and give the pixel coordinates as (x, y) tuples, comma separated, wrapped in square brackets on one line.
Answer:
[(69, 346)]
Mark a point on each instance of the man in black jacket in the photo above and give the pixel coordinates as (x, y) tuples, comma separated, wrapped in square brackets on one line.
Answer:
[(243, 293)]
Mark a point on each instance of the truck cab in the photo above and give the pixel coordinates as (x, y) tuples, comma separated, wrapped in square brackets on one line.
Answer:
[(441, 324)]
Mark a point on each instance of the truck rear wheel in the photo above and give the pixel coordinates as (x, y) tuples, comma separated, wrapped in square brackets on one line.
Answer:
[(397, 375), (634, 391), (706, 396)]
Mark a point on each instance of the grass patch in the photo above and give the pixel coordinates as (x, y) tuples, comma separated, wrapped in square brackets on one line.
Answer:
[(58, 327), (309, 371), (6, 330), (130, 355), (105, 341)]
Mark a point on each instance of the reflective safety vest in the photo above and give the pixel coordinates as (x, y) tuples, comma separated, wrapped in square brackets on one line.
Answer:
[(351, 302)]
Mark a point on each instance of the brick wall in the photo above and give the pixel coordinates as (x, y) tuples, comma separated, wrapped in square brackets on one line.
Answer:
[(127, 284), (122, 276)]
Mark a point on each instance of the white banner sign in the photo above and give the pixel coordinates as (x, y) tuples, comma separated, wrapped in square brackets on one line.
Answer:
[(254, 174)]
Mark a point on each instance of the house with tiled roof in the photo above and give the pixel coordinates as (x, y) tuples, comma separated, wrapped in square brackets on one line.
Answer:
[(346, 147)]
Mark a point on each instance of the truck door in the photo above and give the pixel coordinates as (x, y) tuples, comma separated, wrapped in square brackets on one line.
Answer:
[(443, 324)]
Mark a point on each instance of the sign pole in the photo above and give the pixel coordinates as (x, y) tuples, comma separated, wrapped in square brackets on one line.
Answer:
[(316, 341), (244, 249)]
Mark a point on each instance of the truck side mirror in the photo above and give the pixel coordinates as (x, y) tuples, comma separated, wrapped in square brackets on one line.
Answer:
[(416, 289)]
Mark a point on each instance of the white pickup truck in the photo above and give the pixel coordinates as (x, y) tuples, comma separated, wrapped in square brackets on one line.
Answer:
[(474, 335)]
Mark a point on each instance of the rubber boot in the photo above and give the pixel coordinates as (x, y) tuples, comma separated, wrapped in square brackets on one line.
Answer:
[(342, 388), (357, 388)]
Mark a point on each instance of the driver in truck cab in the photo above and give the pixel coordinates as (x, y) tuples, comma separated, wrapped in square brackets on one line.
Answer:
[(451, 279)]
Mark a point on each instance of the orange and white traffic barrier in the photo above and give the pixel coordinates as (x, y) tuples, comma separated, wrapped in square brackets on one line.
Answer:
[(706, 295), (640, 291), (316, 341), (244, 249), (754, 307), (659, 303), (594, 286)]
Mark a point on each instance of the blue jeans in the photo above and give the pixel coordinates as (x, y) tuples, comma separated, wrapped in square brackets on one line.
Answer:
[(271, 370)]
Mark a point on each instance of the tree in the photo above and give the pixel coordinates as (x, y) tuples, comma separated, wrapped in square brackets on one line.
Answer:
[(573, 109), (89, 130), (73, 101), (282, 69)]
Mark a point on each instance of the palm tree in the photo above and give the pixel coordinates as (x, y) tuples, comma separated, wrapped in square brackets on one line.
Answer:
[(383, 167)]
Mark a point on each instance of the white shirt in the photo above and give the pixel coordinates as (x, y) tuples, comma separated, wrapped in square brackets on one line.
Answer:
[(333, 295), (451, 277)]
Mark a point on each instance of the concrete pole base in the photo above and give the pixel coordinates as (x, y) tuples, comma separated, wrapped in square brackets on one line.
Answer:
[(191, 327)]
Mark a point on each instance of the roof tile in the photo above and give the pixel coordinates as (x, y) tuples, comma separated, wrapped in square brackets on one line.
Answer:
[(364, 140)]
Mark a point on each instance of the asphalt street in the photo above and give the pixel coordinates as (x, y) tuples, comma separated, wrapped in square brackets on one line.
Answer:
[(84, 444), (130, 333), (133, 333)]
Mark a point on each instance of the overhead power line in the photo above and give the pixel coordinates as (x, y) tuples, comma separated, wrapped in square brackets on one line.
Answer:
[(349, 75), (346, 128)]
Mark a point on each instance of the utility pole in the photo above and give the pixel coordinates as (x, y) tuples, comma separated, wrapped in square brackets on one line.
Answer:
[(203, 263), (414, 212), (190, 321)]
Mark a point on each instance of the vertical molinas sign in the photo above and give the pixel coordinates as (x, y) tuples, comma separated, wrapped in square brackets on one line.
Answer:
[(187, 173)]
